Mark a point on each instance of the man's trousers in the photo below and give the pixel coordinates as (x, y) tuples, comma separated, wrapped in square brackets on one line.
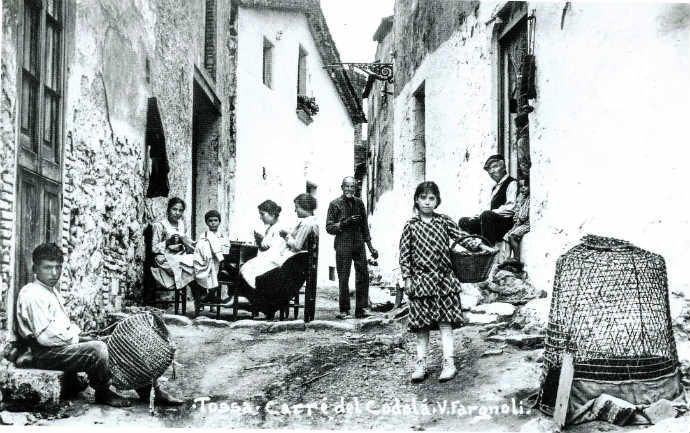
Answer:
[(343, 261), (489, 224), (90, 357)]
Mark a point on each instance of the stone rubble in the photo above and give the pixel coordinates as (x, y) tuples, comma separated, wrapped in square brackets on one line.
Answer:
[(174, 319), (502, 309), (214, 323), (532, 317)]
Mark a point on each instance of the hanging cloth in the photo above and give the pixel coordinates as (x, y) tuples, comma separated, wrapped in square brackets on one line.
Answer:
[(155, 141)]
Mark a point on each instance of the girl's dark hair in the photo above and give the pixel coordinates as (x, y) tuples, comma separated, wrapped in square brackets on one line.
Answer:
[(175, 200), (306, 202), (269, 206), (427, 187)]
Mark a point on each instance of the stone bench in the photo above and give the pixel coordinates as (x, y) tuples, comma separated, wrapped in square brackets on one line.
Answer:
[(28, 387)]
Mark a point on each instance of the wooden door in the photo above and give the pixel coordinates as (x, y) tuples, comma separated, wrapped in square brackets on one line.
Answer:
[(38, 216), (39, 88)]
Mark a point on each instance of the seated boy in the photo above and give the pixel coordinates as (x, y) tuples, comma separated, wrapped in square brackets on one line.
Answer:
[(55, 342)]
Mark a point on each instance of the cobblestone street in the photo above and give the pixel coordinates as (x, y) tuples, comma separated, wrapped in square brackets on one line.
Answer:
[(336, 379)]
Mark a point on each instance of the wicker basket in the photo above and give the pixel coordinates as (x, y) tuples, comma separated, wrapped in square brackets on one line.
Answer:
[(474, 267), (140, 351)]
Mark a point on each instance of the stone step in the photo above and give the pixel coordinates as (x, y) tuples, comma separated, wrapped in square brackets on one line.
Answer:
[(29, 387)]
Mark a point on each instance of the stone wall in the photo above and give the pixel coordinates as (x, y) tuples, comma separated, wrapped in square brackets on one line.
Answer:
[(117, 55), (8, 140), (421, 26), (380, 126), (226, 87)]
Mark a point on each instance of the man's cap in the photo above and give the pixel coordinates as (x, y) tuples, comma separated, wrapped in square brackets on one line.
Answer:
[(492, 158)]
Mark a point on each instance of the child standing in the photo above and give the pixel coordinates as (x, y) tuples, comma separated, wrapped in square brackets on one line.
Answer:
[(432, 289), (520, 218), (208, 255)]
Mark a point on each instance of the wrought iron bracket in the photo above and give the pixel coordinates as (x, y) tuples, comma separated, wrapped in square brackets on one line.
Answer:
[(380, 71)]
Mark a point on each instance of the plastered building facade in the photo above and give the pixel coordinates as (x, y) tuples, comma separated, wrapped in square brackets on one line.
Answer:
[(604, 136)]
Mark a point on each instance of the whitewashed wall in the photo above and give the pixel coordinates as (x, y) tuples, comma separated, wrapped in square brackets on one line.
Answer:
[(607, 134), (270, 135)]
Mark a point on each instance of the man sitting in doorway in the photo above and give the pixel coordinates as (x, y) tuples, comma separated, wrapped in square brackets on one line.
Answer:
[(495, 223), (55, 343)]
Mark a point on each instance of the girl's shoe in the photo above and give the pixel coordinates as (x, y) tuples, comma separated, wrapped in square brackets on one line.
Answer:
[(419, 373), (448, 372)]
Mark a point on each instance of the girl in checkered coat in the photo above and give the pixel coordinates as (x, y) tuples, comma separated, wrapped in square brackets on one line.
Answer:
[(431, 287)]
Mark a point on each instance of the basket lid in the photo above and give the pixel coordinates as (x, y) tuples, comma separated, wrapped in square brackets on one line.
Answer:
[(605, 243)]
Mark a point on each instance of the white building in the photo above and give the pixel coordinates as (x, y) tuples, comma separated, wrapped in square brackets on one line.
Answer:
[(282, 48)]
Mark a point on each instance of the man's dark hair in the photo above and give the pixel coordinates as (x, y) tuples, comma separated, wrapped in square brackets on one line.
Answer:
[(212, 213), (492, 159), (47, 251), (425, 188)]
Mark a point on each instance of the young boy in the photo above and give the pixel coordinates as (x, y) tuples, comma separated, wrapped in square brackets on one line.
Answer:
[(56, 343), (208, 255)]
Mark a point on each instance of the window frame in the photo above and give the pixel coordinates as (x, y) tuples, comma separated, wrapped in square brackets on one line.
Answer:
[(267, 63), (302, 71), (33, 154)]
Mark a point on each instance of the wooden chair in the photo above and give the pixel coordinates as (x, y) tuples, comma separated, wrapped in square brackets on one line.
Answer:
[(232, 282), (297, 276), (230, 278), (153, 288), (309, 288)]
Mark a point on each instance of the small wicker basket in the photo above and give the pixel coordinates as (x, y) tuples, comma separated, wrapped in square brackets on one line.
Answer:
[(140, 350), (473, 267)]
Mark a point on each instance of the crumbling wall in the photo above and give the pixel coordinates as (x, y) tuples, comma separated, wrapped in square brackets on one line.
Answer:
[(117, 55), (8, 140), (226, 84), (105, 211), (380, 134), (420, 27)]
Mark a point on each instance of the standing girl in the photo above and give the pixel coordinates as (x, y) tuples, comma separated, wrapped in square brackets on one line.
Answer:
[(432, 289)]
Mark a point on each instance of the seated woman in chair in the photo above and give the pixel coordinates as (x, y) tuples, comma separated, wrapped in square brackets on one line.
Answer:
[(277, 255), (172, 248), (269, 236)]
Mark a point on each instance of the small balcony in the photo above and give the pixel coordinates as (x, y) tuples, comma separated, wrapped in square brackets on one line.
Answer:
[(306, 108)]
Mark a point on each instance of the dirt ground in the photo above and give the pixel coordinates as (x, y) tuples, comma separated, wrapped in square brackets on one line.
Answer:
[(326, 379)]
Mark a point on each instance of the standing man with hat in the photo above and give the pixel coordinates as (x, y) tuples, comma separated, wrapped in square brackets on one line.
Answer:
[(347, 220), (495, 223)]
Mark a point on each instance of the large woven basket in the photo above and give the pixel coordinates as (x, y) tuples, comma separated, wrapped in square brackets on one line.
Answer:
[(140, 350), (474, 267)]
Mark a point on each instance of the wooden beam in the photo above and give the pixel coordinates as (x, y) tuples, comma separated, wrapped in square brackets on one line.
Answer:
[(565, 383)]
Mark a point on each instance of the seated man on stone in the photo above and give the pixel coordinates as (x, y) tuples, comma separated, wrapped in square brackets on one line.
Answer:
[(55, 343), (495, 223)]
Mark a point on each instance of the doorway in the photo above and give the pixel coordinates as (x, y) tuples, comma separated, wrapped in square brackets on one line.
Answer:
[(205, 158)]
